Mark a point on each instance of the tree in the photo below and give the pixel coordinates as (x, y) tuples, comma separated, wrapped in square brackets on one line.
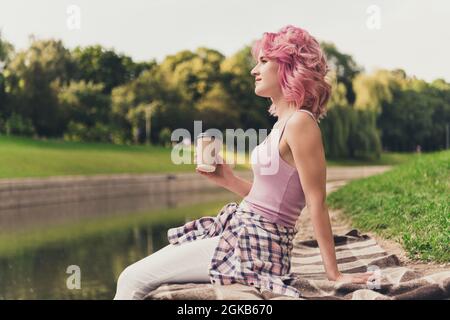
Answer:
[(100, 65), (439, 99), (409, 111), (375, 89), (364, 138), (6, 52), (165, 137), (349, 132), (240, 86), (86, 111), (216, 109), (335, 126), (129, 103), (32, 78), (344, 66), (192, 74)]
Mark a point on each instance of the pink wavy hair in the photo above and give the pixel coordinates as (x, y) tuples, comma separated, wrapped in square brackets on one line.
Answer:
[(302, 68)]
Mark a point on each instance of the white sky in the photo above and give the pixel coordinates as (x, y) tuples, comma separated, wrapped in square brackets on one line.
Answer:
[(413, 35)]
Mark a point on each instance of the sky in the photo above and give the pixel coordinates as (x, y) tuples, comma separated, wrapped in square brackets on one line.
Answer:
[(409, 34)]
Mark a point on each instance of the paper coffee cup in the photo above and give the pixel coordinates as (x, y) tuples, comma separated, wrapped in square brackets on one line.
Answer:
[(207, 149)]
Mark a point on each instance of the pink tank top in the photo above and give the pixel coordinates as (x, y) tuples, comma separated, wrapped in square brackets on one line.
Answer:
[(276, 193)]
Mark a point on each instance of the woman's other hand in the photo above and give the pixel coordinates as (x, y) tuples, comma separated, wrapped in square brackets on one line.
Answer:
[(358, 278), (222, 176)]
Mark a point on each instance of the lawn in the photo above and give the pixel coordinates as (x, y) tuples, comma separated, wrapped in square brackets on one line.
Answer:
[(25, 157), (409, 204)]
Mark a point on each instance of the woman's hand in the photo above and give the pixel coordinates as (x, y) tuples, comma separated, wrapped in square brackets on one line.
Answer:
[(222, 176), (359, 278)]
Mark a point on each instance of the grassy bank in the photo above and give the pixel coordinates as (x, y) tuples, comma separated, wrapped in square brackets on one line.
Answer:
[(409, 204), (25, 157)]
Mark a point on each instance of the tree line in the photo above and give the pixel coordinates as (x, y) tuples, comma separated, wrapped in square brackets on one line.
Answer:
[(96, 94)]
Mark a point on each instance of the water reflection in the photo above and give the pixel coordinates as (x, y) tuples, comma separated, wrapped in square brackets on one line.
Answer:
[(102, 238)]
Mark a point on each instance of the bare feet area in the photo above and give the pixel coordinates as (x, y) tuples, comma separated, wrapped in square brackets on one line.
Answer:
[(341, 224)]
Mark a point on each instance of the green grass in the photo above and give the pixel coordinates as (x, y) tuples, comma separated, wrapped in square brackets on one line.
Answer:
[(387, 158), (25, 157), (409, 204), (13, 243)]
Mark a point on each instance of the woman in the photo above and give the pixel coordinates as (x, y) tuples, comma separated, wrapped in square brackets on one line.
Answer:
[(251, 243)]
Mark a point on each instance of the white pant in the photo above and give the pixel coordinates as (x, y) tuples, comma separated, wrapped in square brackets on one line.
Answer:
[(183, 263)]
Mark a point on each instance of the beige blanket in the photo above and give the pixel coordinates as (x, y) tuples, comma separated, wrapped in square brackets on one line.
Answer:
[(355, 253)]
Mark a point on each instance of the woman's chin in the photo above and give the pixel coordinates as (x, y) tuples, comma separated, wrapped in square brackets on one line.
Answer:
[(261, 93)]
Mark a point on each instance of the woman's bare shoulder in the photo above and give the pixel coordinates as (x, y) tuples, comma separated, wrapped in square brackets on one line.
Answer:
[(302, 126)]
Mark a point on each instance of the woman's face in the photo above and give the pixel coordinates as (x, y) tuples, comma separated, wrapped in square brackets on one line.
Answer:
[(266, 77)]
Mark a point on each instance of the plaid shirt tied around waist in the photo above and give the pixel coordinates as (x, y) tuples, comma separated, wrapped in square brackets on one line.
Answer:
[(252, 250)]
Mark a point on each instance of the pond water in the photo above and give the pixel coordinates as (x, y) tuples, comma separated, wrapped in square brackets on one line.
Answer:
[(77, 251)]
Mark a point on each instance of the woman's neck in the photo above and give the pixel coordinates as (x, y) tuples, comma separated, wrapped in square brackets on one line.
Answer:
[(283, 108)]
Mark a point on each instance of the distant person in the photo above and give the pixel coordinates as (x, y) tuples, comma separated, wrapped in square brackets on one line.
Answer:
[(251, 242)]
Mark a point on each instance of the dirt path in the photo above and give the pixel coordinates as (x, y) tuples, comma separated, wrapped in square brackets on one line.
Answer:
[(341, 225)]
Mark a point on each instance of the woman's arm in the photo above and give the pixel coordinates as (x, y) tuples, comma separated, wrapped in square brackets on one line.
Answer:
[(324, 235), (239, 186), (305, 141), (225, 177)]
